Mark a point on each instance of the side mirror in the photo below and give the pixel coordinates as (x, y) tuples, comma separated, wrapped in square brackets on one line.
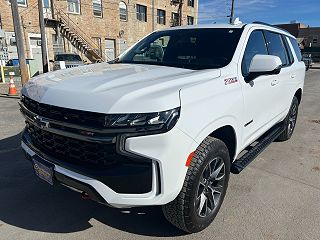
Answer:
[(263, 65), (51, 61)]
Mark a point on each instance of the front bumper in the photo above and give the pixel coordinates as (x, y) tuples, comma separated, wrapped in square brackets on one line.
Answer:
[(167, 153)]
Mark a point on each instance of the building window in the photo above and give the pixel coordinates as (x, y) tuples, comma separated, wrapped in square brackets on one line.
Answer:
[(191, 3), (141, 13), (161, 17), (175, 19), (74, 6), (22, 2), (123, 11), (315, 39), (46, 3), (190, 20), (97, 8)]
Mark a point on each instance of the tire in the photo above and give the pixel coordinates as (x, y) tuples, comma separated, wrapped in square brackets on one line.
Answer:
[(290, 121), (185, 212)]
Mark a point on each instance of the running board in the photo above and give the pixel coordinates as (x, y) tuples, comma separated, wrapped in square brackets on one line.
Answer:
[(239, 164)]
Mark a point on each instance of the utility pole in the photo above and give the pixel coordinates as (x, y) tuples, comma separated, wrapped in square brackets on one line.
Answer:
[(232, 12), (26, 42), (43, 38), (19, 41), (180, 12), (153, 15)]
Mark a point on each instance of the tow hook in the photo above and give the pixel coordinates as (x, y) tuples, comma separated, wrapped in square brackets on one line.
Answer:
[(85, 196)]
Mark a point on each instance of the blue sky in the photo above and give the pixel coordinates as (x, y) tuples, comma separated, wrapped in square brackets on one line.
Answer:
[(270, 11)]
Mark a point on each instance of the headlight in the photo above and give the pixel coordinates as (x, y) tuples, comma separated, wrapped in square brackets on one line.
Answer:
[(157, 120)]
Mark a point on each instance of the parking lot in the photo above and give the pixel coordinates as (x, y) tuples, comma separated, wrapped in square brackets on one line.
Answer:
[(276, 197)]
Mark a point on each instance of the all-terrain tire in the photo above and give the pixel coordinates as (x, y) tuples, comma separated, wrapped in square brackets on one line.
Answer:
[(182, 212), (289, 120)]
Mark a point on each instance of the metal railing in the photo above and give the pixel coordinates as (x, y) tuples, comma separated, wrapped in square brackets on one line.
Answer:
[(82, 35)]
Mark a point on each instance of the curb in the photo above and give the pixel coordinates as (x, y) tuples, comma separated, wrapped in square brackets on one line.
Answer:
[(8, 96)]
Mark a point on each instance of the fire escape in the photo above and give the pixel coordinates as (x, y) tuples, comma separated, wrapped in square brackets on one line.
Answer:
[(73, 33), (176, 18)]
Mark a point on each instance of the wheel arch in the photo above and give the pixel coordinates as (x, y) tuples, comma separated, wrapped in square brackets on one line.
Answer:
[(225, 129), (227, 134), (298, 94)]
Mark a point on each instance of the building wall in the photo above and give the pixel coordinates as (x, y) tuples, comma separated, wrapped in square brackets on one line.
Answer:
[(311, 36), (109, 26)]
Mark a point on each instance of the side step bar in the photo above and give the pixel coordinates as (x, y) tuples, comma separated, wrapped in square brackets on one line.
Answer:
[(239, 164)]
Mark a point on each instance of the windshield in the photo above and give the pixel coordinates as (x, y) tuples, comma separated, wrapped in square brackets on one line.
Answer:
[(186, 48), (68, 57)]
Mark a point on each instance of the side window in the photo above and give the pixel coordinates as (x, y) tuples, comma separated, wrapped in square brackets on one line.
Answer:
[(276, 47), (256, 45), (296, 48), (290, 55)]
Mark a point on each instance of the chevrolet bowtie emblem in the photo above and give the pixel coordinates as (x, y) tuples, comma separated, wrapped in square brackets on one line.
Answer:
[(41, 122)]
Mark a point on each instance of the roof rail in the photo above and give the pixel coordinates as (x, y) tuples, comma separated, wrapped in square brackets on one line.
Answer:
[(270, 25)]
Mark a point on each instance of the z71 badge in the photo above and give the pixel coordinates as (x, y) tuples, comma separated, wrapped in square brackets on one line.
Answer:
[(230, 81)]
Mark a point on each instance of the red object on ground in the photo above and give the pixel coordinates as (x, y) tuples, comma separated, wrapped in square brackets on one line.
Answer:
[(12, 88)]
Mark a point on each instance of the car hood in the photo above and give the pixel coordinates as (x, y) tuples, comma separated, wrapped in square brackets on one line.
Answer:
[(115, 88)]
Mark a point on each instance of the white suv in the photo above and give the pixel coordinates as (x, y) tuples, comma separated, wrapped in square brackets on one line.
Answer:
[(166, 122)]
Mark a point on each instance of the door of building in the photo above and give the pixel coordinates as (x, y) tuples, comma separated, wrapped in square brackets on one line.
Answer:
[(35, 47), (110, 50)]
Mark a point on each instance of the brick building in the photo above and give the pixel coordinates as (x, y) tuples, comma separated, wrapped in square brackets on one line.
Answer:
[(98, 30), (308, 38)]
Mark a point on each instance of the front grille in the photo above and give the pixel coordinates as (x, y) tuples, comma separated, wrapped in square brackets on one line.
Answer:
[(67, 115), (96, 156), (74, 151)]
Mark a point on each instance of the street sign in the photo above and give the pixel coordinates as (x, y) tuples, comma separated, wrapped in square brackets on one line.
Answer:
[(12, 73)]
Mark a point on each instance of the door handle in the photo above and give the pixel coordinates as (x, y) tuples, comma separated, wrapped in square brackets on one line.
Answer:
[(274, 82), (293, 76)]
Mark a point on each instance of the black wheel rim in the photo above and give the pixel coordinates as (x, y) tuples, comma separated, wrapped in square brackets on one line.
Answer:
[(210, 187), (292, 119)]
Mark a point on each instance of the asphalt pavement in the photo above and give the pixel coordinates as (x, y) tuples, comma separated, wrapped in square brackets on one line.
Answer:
[(275, 197)]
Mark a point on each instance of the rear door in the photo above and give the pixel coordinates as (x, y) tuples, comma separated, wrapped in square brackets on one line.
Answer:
[(282, 87)]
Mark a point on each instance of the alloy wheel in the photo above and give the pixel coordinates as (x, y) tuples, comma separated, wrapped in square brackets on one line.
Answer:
[(210, 187)]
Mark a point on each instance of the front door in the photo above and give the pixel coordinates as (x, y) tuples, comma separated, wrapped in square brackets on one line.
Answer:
[(260, 94)]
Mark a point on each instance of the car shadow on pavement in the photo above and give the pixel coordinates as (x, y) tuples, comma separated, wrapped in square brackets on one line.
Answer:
[(29, 203)]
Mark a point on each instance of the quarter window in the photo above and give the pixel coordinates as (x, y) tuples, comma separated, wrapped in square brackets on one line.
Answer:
[(161, 17), (123, 11), (256, 45), (74, 6), (141, 13), (276, 47), (97, 8)]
